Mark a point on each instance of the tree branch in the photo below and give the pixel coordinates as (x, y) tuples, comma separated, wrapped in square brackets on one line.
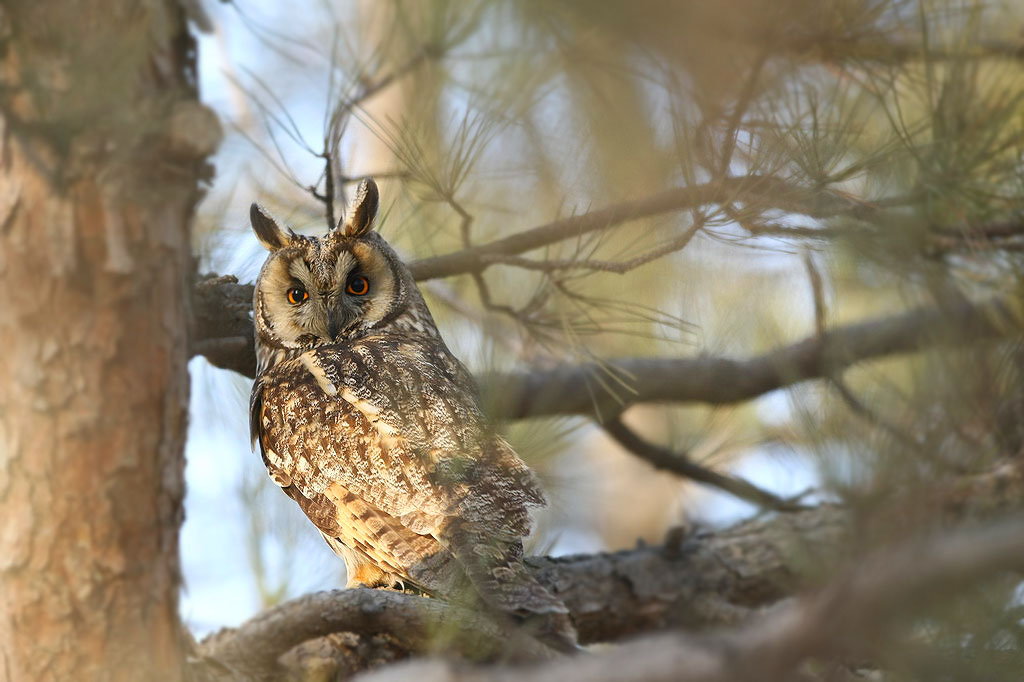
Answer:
[(771, 191), (828, 48), (222, 332), (420, 624), (220, 328), (843, 617), (681, 465), (695, 582), (572, 389), (698, 581), (618, 267)]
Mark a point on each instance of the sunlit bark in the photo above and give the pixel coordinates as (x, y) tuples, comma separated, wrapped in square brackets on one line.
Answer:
[(101, 145)]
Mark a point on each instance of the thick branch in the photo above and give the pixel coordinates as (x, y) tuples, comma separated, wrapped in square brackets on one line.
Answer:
[(847, 614), (694, 582), (223, 334), (698, 581), (572, 389), (252, 650), (221, 330)]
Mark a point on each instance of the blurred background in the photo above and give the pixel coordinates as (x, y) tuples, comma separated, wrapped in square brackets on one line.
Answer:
[(901, 122)]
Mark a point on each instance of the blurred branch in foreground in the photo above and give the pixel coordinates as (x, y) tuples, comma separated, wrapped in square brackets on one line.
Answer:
[(842, 619)]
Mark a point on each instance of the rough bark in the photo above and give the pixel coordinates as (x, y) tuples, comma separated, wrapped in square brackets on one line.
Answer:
[(845, 617), (695, 581), (102, 141)]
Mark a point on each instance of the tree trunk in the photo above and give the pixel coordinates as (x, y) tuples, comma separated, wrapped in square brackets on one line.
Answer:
[(102, 142)]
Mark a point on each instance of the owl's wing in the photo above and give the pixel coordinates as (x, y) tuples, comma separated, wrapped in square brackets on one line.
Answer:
[(398, 424)]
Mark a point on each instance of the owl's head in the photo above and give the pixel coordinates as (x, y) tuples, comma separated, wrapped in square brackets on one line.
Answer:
[(313, 291)]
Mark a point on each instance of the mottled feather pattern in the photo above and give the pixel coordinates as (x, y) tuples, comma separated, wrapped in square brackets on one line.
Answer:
[(441, 463), (368, 422)]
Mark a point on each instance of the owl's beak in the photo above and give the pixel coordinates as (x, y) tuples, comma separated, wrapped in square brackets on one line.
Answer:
[(335, 321)]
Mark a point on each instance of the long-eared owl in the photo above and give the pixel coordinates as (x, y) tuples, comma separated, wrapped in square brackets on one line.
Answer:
[(374, 428)]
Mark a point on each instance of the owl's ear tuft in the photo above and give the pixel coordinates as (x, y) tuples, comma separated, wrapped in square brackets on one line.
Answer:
[(270, 234), (362, 210)]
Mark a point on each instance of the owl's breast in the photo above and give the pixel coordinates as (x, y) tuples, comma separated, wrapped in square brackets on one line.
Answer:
[(396, 421), (318, 430)]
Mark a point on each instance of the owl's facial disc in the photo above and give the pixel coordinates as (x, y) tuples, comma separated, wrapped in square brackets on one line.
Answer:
[(324, 291)]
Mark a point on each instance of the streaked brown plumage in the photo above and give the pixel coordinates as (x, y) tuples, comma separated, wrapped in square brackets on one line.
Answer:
[(373, 427)]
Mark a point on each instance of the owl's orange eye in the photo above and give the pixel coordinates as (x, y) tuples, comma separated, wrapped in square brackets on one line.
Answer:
[(297, 295), (358, 286)]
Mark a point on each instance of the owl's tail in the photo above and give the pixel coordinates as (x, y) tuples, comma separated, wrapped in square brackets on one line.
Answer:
[(495, 569)]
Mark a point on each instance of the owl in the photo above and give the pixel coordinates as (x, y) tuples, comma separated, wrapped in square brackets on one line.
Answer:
[(368, 422)]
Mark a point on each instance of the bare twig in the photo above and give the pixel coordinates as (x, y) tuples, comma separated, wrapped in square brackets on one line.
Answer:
[(862, 50), (465, 232), (329, 191), (369, 89), (818, 292), (618, 267), (761, 190), (666, 460), (745, 98), (858, 407), (994, 236), (836, 379), (333, 175)]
